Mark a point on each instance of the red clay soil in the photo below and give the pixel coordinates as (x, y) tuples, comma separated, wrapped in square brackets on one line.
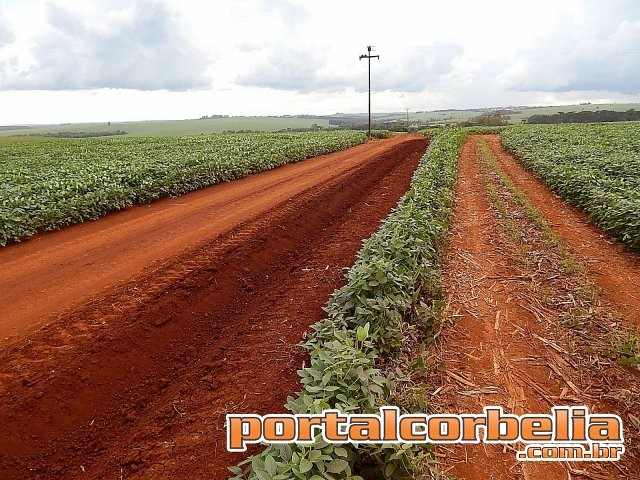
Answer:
[(53, 271), (503, 347), (177, 313), (479, 349), (611, 266)]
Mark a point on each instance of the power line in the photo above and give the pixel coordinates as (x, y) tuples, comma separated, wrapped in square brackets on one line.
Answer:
[(369, 57)]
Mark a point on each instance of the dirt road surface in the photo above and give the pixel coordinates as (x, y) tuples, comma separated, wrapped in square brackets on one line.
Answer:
[(54, 271), (125, 341), (609, 263), (529, 325)]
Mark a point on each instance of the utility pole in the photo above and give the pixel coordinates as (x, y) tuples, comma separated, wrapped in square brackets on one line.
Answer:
[(369, 57), (407, 120)]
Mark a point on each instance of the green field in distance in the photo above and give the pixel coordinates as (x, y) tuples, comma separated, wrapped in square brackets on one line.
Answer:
[(275, 123)]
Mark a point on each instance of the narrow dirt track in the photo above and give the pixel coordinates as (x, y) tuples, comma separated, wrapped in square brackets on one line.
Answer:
[(615, 269), (508, 341), (54, 271), (476, 347), (135, 382)]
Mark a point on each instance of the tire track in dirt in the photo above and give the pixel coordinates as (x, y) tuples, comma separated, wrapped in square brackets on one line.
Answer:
[(57, 270), (614, 268), (478, 281), (505, 345), (136, 384)]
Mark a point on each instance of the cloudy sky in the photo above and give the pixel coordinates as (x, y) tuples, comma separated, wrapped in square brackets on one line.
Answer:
[(85, 60)]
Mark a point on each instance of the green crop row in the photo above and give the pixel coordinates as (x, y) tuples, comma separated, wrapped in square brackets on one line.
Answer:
[(48, 183), (366, 319), (593, 166)]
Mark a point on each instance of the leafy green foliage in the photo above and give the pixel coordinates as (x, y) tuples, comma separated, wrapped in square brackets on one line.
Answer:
[(487, 119), (48, 183), (593, 166), (367, 318), (484, 130), (381, 134)]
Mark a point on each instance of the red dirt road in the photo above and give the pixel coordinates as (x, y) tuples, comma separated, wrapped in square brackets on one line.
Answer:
[(54, 271), (157, 321), (614, 269), (510, 337)]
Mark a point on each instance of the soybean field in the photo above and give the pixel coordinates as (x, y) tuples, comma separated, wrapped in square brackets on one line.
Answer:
[(593, 166), (437, 272), (48, 183)]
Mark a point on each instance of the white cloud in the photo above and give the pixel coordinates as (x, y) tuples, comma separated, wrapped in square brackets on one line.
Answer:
[(292, 68), (6, 34), (584, 54), (125, 59), (116, 45)]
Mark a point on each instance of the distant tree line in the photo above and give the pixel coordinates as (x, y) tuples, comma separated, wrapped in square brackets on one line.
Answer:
[(586, 117), (383, 126), (360, 124), (15, 127), (78, 134), (344, 121), (313, 128), (489, 119)]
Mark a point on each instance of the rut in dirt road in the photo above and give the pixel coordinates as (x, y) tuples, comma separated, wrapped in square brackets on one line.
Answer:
[(609, 264), (527, 328), (58, 270), (136, 383)]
